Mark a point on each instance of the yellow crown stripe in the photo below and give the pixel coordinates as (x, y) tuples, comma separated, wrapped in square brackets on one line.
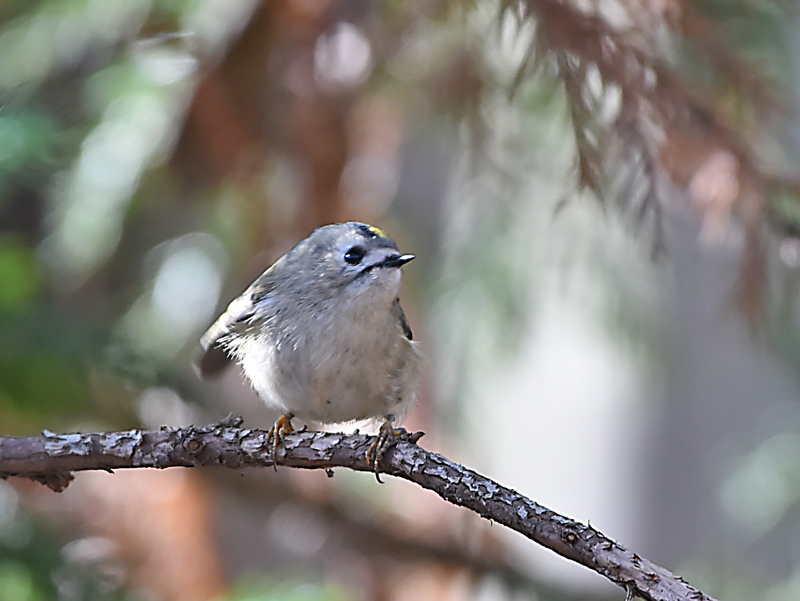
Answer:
[(377, 231)]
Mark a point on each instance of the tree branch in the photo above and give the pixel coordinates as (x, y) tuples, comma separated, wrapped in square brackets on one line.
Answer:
[(52, 458)]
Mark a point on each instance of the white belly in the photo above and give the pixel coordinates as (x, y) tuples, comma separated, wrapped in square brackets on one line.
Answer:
[(335, 374)]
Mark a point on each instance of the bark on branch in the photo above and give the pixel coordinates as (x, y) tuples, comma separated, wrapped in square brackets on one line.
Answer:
[(52, 458)]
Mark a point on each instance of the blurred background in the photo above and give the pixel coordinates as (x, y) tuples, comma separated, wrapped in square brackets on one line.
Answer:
[(603, 200)]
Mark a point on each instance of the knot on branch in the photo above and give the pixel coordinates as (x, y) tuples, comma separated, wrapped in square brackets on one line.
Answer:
[(55, 481)]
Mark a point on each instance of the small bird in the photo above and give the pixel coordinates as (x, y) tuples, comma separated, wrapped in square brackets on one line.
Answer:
[(321, 334)]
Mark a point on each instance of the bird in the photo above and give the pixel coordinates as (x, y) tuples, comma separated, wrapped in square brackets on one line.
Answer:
[(321, 335)]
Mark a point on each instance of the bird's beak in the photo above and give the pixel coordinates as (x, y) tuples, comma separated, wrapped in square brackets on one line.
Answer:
[(397, 260)]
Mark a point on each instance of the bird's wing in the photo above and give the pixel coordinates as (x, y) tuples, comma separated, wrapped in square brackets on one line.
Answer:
[(212, 357), (401, 315)]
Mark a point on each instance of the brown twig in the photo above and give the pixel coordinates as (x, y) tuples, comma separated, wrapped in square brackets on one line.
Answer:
[(52, 458)]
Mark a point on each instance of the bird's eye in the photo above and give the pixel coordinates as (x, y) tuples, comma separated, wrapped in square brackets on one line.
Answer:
[(355, 255)]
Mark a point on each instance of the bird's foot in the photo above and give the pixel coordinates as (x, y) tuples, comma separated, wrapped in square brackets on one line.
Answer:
[(276, 434), (381, 444)]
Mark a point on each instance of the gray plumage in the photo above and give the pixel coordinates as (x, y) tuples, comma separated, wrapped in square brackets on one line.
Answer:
[(321, 334)]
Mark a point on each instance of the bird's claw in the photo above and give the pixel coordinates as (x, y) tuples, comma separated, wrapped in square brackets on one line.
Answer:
[(276, 435), (380, 445)]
